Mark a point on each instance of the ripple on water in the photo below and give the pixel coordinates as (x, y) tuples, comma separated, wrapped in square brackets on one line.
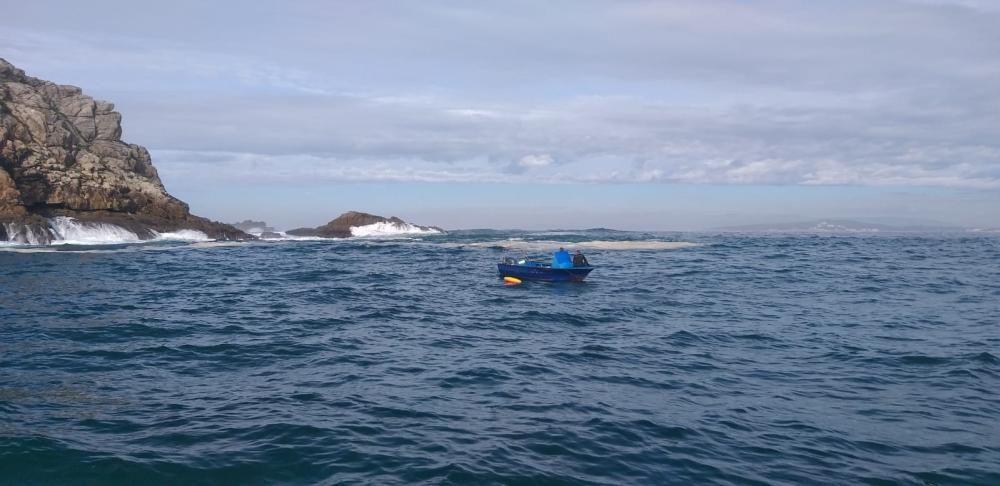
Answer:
[(741, 359)]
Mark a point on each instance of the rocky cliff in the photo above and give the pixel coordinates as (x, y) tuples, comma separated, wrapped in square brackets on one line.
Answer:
[(61, 154), (354, 223)]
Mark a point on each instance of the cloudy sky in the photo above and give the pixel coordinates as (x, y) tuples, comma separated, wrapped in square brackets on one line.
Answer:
[(633, 114)]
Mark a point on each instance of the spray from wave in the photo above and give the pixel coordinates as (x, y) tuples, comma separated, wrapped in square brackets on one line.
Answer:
[(69, 231), (183, 235), (19, 234), (387, 229), (65, 230)]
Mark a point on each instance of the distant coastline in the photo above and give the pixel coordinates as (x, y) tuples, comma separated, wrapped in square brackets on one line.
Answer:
[(844, 226)]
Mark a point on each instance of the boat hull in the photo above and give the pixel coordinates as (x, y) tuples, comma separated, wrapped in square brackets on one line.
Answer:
[(539, 273)]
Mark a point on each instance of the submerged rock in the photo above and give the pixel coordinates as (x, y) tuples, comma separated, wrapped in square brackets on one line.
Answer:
[(61, 154)]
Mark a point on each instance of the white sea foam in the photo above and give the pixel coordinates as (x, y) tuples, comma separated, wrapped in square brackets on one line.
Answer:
[(304, 238), (546, 245), (21, 248), (282, 236), (19, 234), (384, 229), (183, 235), (69, 231)]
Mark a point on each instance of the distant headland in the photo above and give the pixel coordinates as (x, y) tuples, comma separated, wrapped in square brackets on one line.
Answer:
[(841, 226)]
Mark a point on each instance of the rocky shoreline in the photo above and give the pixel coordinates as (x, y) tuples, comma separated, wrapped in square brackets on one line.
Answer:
[(61, 155)]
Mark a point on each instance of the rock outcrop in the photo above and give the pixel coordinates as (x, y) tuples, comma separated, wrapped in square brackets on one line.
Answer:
[(61, 154), (251, 226), (347, 225)]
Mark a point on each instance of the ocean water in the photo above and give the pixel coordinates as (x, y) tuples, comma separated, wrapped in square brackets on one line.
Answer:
[(684, 359)]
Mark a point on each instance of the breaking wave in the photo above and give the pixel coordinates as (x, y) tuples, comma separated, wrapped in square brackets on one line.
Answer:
[(390, 229), (19, 234), (69, 231), (65, 230), (183, 235)]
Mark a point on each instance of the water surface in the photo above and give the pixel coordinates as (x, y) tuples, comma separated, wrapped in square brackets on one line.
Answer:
[(740, 359)]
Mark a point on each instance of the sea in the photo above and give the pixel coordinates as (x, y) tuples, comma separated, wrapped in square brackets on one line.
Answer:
[(685, 358)]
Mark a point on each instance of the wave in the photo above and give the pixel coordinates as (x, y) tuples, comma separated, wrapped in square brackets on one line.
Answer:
[(288, 237), (69, 231), (215, 244), (183, 235), (7, 247), (283, 236), (548, 245), (65, 230), (383, 229), (19, 234)]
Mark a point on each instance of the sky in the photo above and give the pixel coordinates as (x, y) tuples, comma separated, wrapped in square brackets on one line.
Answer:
[(546, 114)]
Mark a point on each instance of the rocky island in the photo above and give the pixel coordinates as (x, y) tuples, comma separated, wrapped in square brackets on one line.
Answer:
[(61, 156), (354, 223)]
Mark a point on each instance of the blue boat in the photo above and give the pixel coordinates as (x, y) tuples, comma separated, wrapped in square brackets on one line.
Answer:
[(530, 270)]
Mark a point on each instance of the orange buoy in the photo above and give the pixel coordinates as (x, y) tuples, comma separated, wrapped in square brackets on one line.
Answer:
[(511, 280)]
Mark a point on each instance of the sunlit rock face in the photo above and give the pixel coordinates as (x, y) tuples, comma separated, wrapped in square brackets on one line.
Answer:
[(61, 154)]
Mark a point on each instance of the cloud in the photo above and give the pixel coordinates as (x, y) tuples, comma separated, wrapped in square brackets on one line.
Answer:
[(880, 92), (983, 5), (533, 160), (594, 140)]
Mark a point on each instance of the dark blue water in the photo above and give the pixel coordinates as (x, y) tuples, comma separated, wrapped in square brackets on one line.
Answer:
[(744, 360)]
